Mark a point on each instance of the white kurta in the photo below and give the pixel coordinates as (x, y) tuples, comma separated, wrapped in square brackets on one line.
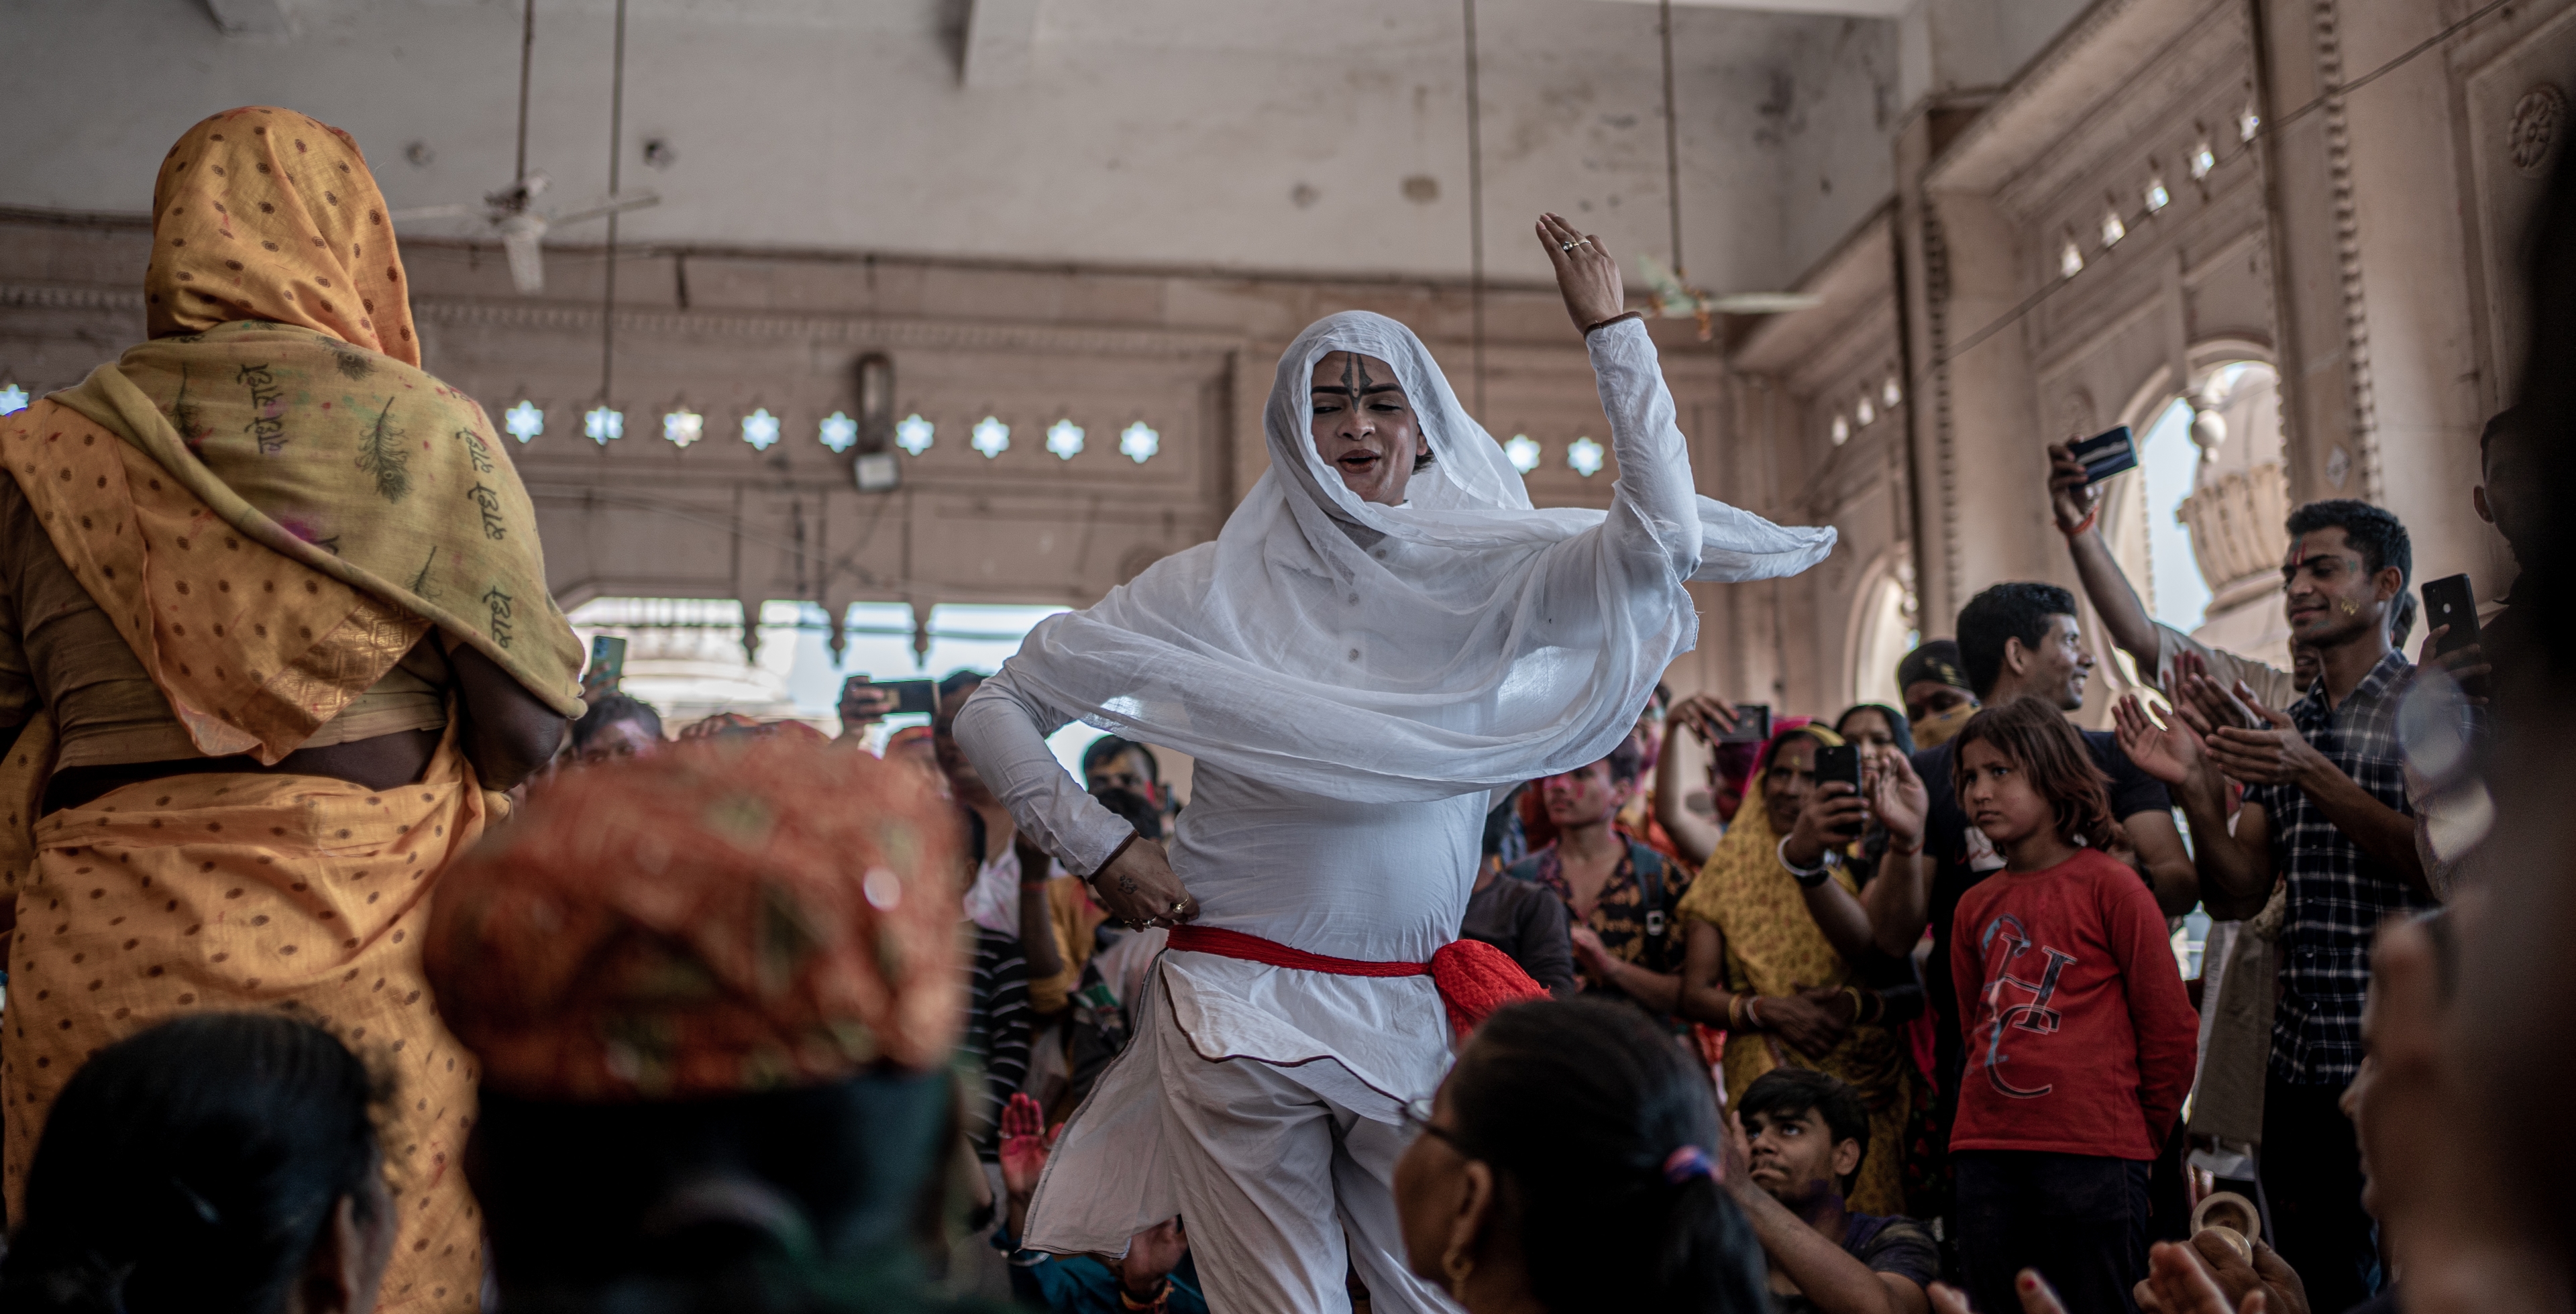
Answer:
[(1373, 881)]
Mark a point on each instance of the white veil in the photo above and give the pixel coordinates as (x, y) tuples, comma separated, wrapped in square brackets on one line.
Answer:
[(1338, 647)]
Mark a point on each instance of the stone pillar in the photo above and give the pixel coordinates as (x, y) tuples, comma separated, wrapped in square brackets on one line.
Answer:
[(2380, 361)]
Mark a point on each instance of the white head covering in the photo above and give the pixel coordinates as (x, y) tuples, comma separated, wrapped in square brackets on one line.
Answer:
[(1337, 647)]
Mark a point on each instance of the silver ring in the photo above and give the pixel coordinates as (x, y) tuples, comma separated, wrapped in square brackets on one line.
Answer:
[(1565, 246), (1585, 242)]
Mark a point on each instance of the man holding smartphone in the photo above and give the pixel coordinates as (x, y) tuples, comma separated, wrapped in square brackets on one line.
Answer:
[(2326, 815)]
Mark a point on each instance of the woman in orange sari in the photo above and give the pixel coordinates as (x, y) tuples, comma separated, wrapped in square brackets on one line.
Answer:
[(273, 620)]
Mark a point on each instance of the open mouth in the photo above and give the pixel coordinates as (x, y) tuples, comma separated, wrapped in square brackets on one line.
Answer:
[(1358, 463)]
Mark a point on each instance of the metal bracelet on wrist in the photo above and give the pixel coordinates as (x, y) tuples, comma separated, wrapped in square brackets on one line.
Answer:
[(1808, 878)]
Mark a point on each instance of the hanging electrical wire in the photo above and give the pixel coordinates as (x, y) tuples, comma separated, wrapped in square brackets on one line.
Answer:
[(616, 152), (1475, 209)]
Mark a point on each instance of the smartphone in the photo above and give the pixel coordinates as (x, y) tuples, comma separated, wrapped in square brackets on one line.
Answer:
[(2106, 454), (1839, 762), (607, 660), (909, 695), (2449, 601), (1752, 724)]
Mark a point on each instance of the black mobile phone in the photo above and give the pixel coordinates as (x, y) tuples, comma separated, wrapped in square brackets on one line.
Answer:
[(2450, 601), (607, 660), (2106, 454), (1752, 724), (920, 696), (1839, 762)]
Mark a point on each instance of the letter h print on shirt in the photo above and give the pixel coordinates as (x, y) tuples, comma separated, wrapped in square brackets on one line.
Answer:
[(2003, 1015)]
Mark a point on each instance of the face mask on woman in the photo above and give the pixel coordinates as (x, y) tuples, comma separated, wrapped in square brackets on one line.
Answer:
[(1935, 730)]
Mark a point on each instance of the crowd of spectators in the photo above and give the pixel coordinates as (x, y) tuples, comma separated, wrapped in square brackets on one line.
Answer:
[(1874, 1015)]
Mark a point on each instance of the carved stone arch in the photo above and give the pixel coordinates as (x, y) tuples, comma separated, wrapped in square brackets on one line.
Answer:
[(1883, 608)]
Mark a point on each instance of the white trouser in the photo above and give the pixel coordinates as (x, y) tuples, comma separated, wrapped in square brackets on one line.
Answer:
[(1282, 1190)]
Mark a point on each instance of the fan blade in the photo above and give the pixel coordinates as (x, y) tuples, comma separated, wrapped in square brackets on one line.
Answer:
[(520, 235), (1764, 303), (1673, 298), (611, 205), (432, 212)]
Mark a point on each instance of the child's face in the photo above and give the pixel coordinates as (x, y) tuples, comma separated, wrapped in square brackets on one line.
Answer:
[(1998, 797)]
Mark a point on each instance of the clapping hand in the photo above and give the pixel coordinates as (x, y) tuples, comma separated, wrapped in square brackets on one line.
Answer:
[(2235, 1278), (2279, 755), (2170, 752), (1585, 273)]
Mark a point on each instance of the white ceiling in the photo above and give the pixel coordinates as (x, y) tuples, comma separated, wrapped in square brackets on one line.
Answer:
[(1227, 133)]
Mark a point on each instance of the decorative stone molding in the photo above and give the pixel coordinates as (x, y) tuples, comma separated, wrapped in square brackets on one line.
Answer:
[(2363, 393), (2539, 119), (2235, 523), (1936, 325)]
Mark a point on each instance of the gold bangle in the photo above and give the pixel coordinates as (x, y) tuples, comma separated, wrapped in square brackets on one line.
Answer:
[(1735, 1013), (1854, 992)]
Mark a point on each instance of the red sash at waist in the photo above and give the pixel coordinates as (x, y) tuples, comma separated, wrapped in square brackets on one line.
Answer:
[(1473, 977)]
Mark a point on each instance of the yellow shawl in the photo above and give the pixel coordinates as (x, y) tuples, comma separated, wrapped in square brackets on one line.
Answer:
[(269, 498), (1774, 947)]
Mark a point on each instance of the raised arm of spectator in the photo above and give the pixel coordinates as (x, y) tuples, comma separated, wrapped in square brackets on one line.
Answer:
[(1037, 928), (2233, 867), (1825, 1273), (2106, 586), (1684, 767), (1899, 899)]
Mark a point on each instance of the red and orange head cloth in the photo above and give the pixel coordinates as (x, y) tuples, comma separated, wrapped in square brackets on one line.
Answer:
[(735, 915)]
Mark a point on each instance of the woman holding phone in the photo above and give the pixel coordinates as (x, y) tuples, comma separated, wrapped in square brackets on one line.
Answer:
[(1789, 988)]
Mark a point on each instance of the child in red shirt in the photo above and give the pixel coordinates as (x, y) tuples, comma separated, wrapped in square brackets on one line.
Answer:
[(2079, 1037)]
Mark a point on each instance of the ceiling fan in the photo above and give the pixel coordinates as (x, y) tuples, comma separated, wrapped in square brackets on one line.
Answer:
[(512, 211), (1675, 298)]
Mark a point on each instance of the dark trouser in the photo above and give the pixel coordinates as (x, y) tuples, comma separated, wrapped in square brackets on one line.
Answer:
[(2311, 1166), (2080, 1219)]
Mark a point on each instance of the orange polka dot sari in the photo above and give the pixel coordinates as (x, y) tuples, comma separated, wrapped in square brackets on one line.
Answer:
[(272, 503)]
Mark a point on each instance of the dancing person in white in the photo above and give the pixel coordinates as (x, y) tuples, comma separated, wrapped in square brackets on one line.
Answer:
[(1384, 631)]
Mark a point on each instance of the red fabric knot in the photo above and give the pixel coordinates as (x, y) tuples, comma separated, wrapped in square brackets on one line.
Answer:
[(1473, 978)]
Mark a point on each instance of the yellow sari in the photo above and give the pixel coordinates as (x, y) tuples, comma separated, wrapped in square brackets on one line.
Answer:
[(1774, 947), (272, 503)]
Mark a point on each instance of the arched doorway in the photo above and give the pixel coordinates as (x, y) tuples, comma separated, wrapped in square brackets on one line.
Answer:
[(2197, 526)]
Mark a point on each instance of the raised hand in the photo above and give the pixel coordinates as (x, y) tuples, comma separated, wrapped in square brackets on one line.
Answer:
[(1585, 273), (1829, 819), (2469, 665), (1900, 799), (1025, 1145), (1139, 889), (1708, 716), (2069, 497), (2169, 753)]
